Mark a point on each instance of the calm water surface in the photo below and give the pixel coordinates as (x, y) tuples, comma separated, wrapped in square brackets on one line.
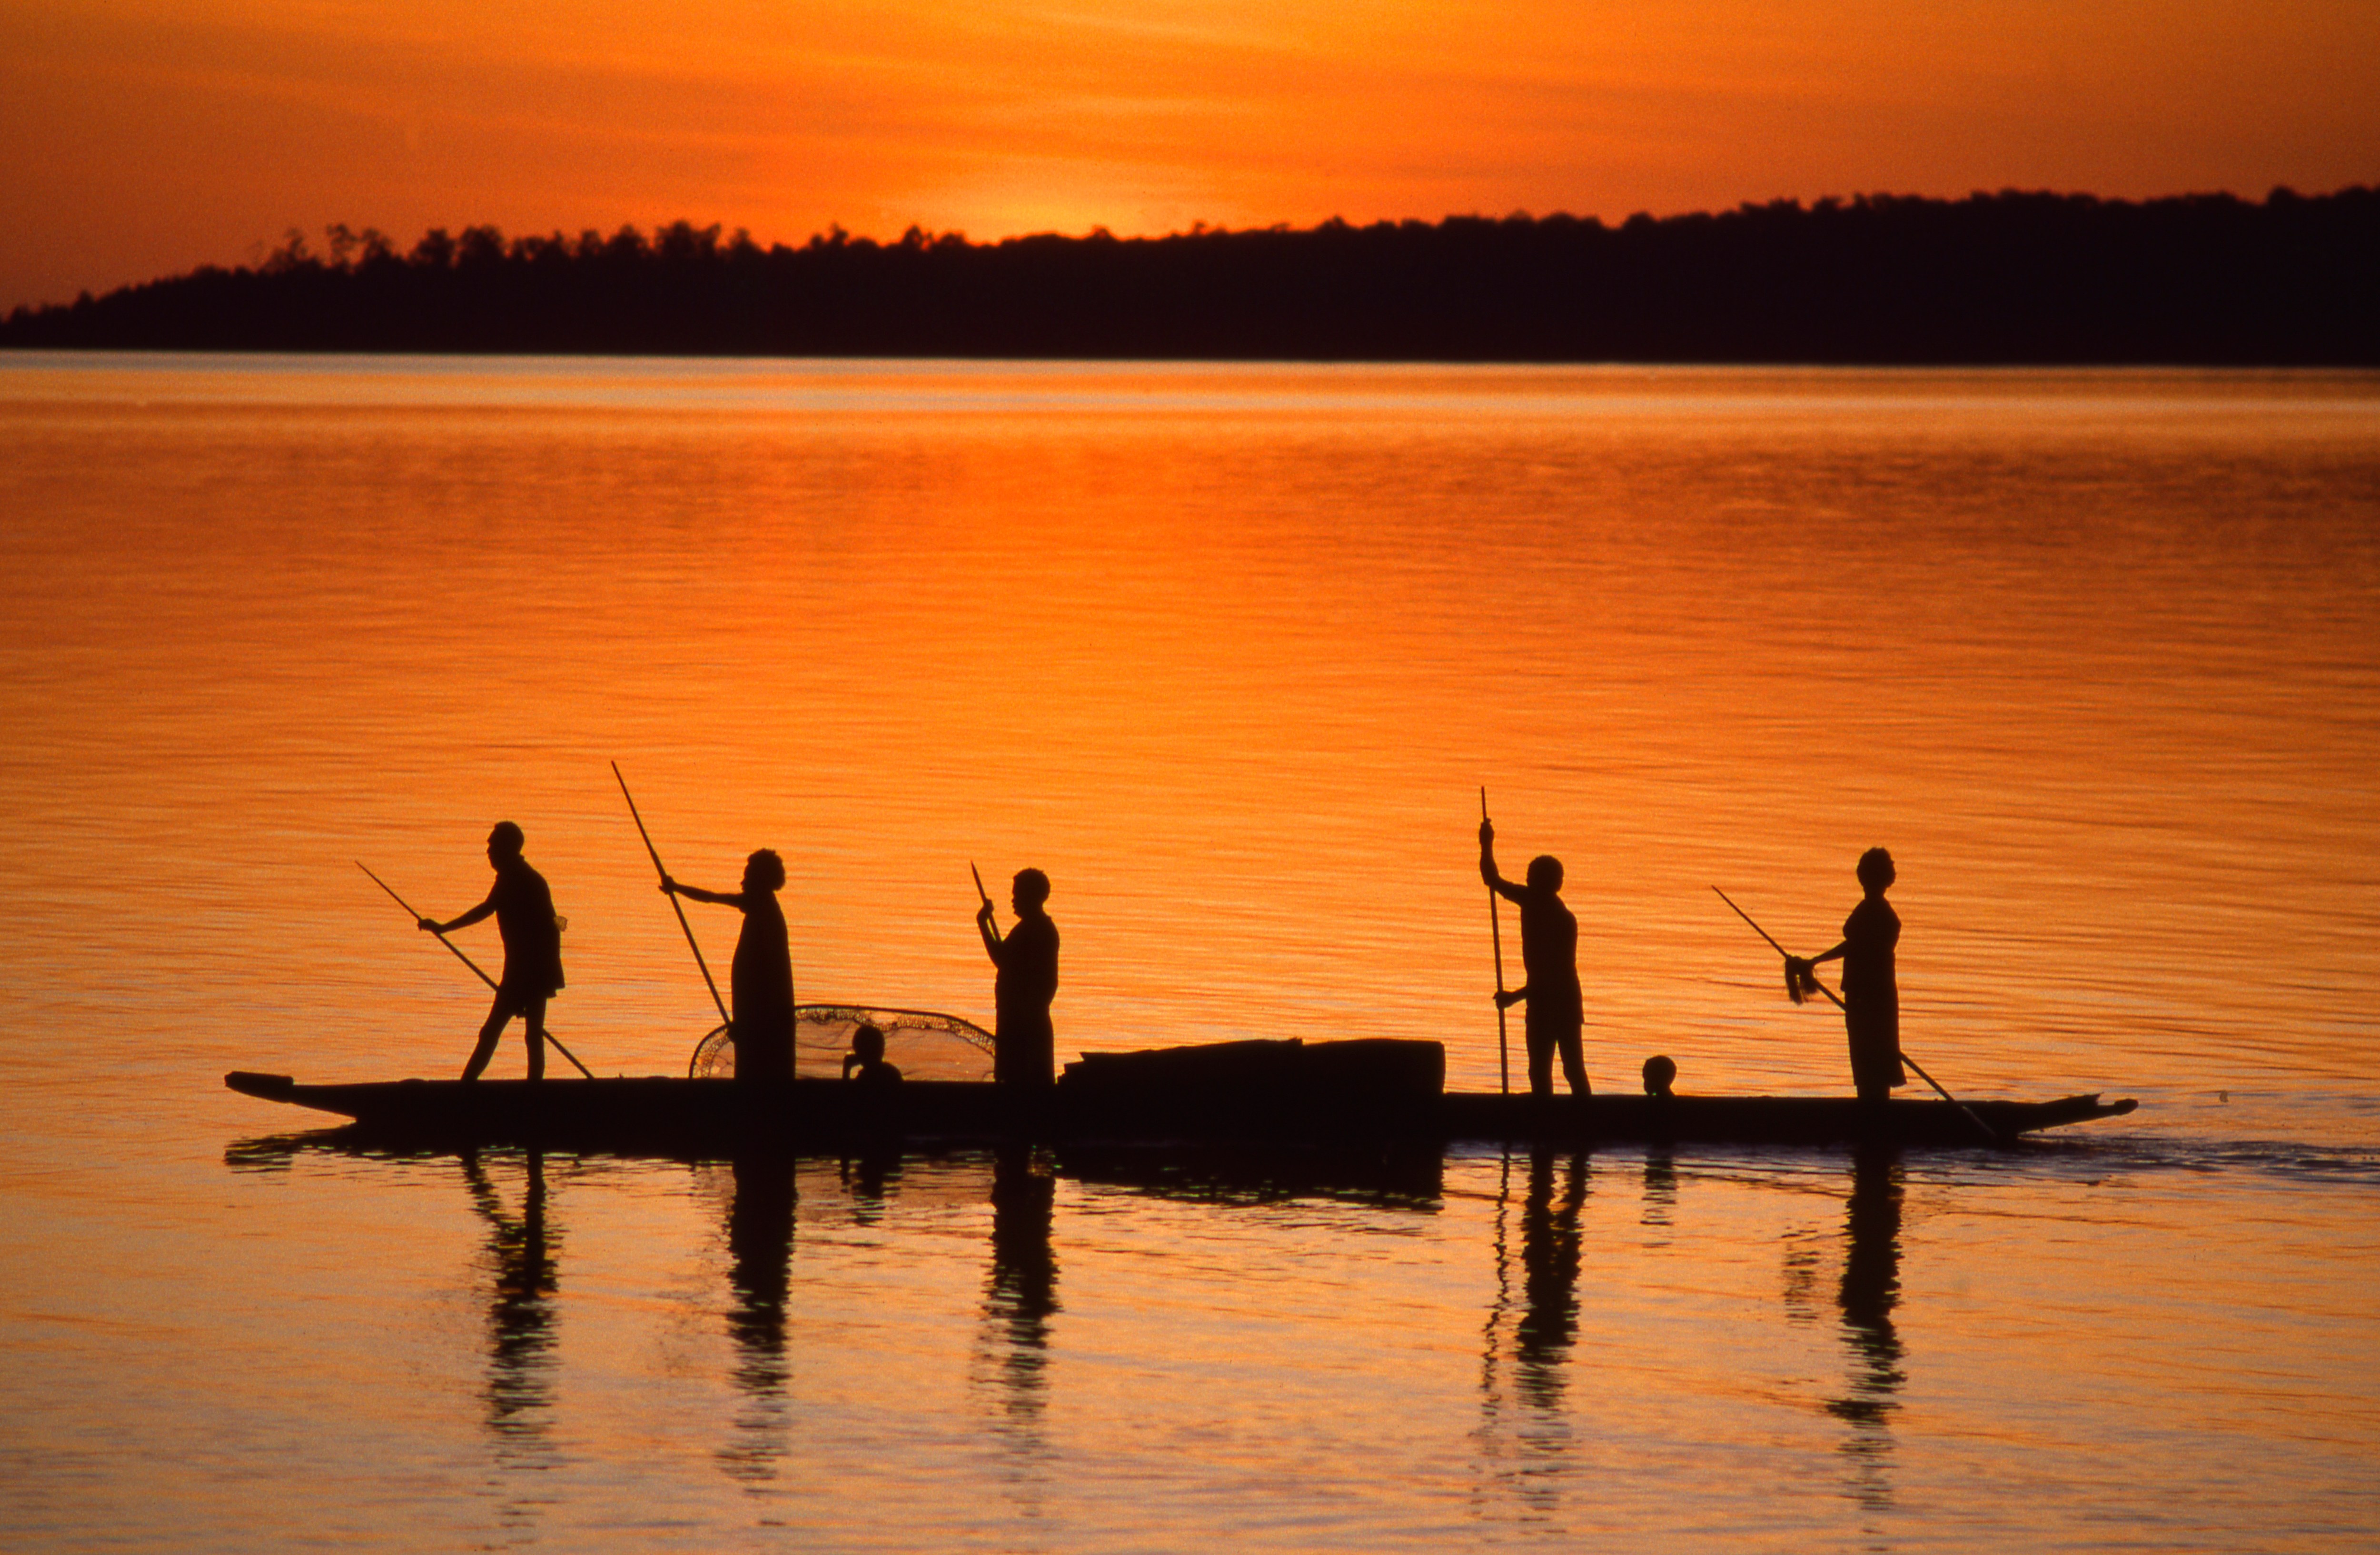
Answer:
[(1228, 652)]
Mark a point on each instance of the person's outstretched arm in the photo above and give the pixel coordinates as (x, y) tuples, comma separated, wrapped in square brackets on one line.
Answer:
[(432, 925), (695, 893)]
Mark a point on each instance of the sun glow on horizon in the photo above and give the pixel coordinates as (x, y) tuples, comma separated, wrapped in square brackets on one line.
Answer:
[(143, 139)]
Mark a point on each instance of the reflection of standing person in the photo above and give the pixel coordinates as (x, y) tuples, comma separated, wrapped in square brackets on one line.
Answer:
[(761, 1246), (1870, 1291), (1871, 1286), (1022, 1292), (1548, 962), (1023, 1047), (759, 1279), (1552, 1246), (523, 906), (1871, 994), (520, 1309), (1024, 1271), (760, 984)]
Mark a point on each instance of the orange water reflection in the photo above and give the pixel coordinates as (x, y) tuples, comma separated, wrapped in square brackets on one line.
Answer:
[(1228, 652)]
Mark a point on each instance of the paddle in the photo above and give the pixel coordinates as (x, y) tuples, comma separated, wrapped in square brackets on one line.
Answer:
[(698, 962), (1496, 937), (1989, 1133), (467, 961)]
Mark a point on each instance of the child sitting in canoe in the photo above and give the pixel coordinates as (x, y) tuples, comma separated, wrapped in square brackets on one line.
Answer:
[(864, 1062)]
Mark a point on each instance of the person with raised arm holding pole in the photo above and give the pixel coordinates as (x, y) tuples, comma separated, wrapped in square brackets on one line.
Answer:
[(1023, 1047), (523, 906), (761, 981), (1548, 964)]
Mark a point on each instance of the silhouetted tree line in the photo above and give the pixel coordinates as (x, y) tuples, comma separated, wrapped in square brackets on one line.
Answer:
[(2010, 277)]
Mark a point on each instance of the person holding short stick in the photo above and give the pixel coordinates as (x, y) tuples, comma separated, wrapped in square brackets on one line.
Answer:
[(1023, 1047)]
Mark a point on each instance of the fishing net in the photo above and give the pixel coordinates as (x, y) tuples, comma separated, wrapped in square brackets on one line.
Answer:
[(922, 1044)]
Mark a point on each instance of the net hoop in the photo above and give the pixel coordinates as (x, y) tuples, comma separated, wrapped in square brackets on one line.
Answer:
[(918, 1040)]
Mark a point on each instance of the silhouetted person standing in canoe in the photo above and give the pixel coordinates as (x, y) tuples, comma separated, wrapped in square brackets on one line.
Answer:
[(1871, 996), (1549, 962), (1023, 1048), (760, 983), (532, 935)]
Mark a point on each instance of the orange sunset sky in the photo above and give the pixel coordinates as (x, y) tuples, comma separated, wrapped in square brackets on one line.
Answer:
[(142, 137)]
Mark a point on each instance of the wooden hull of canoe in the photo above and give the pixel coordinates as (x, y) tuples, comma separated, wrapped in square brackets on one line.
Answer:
[(708, 1117)]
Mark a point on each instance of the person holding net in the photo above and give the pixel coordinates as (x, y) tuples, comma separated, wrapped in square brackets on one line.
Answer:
[(761, 983), (1870, 992)]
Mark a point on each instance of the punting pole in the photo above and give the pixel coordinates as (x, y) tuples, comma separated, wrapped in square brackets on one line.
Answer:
[(1496, 937), (469, 961), (1989, 1133), (674, 907)]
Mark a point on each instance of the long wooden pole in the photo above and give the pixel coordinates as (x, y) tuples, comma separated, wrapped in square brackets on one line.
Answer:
[(655, 853), (468, 961), (1989, 1132), (1496, 937)]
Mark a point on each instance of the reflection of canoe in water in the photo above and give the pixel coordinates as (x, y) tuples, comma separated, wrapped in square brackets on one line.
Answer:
[(1292, 1092)]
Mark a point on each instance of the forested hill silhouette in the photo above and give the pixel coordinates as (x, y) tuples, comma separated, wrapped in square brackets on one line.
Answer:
[(2001, 278)]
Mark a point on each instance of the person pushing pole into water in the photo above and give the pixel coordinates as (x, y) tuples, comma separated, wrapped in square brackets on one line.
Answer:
[(523, 906), (1871, 994), (761, 981), (456, 952), (1548, 966), (1871, 998)]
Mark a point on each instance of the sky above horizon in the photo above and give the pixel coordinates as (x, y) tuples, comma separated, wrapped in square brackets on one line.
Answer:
[(139, 137)]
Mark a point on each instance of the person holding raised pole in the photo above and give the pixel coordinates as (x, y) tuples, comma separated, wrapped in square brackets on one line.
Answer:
[(1023, 1047), (1496, 939), (1548, 964), (523, 906), (761, 981)]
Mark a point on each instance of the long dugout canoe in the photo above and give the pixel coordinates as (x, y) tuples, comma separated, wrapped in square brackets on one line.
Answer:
[(1323, 1094)]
